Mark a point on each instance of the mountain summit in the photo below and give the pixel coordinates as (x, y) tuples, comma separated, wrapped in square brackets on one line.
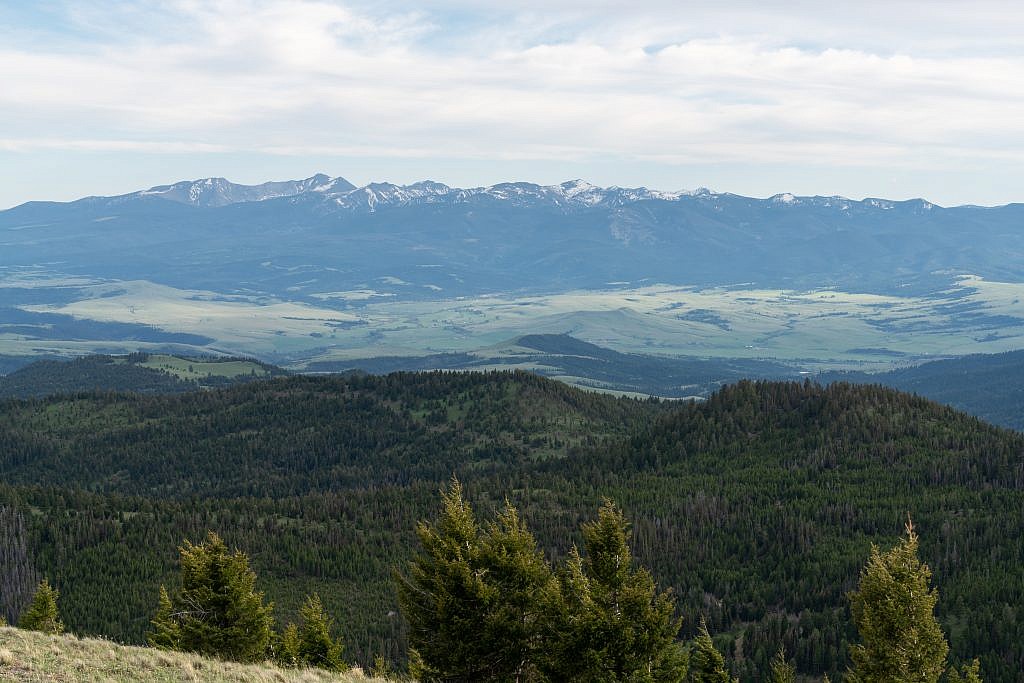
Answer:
[(337, 192), (210, 192)]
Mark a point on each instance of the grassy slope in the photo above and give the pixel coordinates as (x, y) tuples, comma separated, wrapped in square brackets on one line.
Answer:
[(199, 369), (31, 656)]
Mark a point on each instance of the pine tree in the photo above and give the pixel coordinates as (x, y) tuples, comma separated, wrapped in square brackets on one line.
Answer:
[(443, 596), (166, 633), (781, 671), (217, 611), (381, 668), (287, 648), (707, 665), (969, 673), (517, 573), (316, 647), (609, 621), (41, 614), (471, 596), (893, 609)]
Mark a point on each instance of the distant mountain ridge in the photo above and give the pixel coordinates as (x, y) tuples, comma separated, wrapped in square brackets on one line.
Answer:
[(217, 192), (211, 192), (324, 235)]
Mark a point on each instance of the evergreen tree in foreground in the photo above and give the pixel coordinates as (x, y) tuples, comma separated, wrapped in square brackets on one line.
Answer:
[(166, 624), (608, 621), (311, 643), (217, 611), (516, 572), (443, 594), (316, 647), (966, 674), (286, 649), (707, 665), (483, 604), (41, 614), (781, 671), (893, 609), (471, 596)]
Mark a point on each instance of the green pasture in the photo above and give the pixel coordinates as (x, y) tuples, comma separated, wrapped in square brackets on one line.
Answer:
[(818, 328), (192, 369)]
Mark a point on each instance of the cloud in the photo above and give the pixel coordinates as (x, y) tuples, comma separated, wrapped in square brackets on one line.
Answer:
[(108, 145), (718, 83)]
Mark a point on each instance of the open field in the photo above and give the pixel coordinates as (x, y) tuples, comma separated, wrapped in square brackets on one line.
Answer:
[(189, 368), (818, 328), (36, 657)]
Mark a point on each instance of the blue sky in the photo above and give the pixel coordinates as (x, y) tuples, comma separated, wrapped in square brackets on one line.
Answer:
[(896, 99)]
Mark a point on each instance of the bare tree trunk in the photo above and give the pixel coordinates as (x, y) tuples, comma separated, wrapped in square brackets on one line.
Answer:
[(18, 576)]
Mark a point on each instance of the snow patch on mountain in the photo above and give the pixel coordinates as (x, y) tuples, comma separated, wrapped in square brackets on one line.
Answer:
[(572, 195), (213, 192)]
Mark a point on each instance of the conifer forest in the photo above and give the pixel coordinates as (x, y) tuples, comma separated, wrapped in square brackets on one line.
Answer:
[(749, 520)]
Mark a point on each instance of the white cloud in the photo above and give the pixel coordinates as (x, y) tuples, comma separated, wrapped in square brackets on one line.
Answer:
[(719, 83), (108, 145)]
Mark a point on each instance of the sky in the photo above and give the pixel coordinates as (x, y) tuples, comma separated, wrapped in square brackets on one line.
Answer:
[(892, 99)]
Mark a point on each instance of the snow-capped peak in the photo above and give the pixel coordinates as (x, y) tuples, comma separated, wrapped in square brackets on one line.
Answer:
[(570, 195), (571, 188), (209, 192)]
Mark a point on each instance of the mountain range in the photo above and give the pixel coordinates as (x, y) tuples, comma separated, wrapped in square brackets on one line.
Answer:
[(221, 192), (216, 234), (302, 271)]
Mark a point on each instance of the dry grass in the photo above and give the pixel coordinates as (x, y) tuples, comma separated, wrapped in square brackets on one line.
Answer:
[(37, 657)]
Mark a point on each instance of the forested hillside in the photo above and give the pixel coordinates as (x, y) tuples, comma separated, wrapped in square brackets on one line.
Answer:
[(136, 372), (757, 506), (577, 362), (990, 386)]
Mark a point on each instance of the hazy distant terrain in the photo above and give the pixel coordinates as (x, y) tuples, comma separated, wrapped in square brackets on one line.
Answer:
[(318, 271), (587, 365)]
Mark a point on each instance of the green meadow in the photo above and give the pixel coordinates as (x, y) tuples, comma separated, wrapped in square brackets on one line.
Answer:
[(816, 328)]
